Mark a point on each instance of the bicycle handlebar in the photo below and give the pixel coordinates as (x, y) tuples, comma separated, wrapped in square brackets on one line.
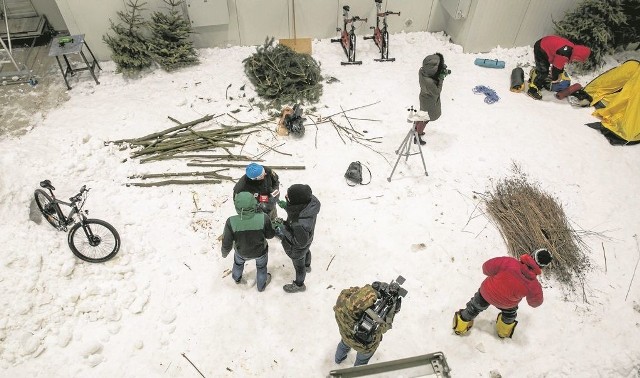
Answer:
[(78, 197), (388, 13), (356, 18)]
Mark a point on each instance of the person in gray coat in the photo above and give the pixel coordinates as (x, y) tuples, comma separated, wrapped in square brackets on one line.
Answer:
[(297, 231), (431, 76)]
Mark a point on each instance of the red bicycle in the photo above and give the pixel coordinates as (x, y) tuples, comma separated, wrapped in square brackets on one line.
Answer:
[(348, 38), (381, 36)]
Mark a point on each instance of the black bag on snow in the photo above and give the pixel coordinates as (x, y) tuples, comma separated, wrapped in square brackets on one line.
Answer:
[(354, 174)]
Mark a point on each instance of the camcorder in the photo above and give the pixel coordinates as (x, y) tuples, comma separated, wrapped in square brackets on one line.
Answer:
[(388, 296)]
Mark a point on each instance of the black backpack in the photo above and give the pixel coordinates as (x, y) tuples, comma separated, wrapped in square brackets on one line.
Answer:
[(354, 174)]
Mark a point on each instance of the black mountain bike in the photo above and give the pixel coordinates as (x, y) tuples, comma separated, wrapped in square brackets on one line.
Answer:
[(348, 39), (381, 36), (91, 240)]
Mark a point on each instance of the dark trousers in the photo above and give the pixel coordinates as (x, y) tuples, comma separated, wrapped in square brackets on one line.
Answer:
[(419, 126), (477, 304), (542, 66), (300, 266)]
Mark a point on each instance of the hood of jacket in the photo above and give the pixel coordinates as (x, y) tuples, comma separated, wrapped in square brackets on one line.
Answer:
[(529, 267), (580, 53), (430, 65), (245, 203)]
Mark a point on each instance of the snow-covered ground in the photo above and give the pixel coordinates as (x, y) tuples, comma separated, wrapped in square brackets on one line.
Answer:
[(167, 295)]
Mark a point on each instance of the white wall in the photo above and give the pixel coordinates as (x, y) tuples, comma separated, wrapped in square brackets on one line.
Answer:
[(506, 23), (251, 21), (488, 23)]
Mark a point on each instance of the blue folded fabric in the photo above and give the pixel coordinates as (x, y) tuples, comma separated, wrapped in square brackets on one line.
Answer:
[(560, 85), (489, 63)]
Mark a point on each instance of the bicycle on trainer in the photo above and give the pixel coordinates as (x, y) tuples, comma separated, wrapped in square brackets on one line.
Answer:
[(91, 240), (381, 36), (348, 38)]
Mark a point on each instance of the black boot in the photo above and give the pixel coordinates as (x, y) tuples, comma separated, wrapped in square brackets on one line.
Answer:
[(422, 142)]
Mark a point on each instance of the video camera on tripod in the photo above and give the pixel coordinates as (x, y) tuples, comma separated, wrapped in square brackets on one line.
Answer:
[(389, 297)]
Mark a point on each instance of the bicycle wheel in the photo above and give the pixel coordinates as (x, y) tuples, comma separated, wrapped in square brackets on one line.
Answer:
[(48, 208), (94, 240)]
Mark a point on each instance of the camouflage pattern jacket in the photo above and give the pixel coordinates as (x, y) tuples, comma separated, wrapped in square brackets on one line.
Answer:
[(350, 306)]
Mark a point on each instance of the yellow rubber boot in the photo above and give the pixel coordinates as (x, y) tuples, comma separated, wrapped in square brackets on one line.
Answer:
[(505, 330), (460, 327)]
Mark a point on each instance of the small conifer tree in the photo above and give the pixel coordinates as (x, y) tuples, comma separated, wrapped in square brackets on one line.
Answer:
[(593, 23), (129, 47), (169, 44)]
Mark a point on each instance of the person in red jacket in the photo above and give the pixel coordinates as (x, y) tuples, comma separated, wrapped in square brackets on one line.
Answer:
[(552, 53), (509, 280)]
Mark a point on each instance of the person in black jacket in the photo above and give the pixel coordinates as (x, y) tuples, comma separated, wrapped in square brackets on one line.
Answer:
[(264, 184), (246, 233), (296, 232)]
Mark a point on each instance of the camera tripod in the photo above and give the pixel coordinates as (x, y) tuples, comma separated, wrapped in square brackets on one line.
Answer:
[(405, 146)]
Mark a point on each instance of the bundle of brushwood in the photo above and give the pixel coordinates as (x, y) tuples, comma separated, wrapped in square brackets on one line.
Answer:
[(528, 219), (282, 76), (175, 141)]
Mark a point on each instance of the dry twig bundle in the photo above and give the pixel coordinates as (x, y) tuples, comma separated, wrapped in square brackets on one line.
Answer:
[(528, 219)]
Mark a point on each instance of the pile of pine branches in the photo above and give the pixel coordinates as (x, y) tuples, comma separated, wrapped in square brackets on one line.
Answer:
[(282, 76), (528, 219)]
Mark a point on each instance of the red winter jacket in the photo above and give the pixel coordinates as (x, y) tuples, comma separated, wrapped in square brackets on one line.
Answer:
[(561, 51), (510, 280)]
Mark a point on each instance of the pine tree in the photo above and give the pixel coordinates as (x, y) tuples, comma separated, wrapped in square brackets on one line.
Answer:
[(593, 24), (129, 47), (169, 44)]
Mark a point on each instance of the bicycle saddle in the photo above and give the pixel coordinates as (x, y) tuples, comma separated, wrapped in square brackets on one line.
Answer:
[(47, 184)]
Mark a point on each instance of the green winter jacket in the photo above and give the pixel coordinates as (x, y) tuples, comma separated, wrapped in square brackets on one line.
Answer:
[(430, 86), (248, 231), (350, 306)]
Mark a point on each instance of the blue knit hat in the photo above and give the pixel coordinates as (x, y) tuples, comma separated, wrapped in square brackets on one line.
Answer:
[(254, 171)]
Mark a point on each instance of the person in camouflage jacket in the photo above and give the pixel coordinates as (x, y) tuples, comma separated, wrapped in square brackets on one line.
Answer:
[(350, 306)]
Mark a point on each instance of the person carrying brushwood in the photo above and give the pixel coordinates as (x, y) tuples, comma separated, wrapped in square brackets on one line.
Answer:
[(431, 77), (509, 280), (296, 233), (247, 233), (551, 54), (264, 184)]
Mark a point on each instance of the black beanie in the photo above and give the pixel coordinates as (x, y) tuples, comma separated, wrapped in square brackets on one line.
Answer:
[(299, 194)]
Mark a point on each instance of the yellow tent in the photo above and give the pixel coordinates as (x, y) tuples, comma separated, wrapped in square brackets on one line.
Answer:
[(619, 91)]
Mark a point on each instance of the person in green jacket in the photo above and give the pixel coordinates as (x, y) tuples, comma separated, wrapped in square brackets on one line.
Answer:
[(247, 234)]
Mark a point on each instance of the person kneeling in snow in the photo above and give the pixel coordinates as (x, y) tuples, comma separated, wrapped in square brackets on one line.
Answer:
[(509, 280), (552, 53), (297, 231)]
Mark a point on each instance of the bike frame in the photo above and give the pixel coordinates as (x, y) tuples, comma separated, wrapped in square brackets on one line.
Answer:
[(76, 210), (348, 39), (381, 36)]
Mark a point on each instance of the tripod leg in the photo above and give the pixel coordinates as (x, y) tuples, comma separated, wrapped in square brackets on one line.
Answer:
[(403, 145)]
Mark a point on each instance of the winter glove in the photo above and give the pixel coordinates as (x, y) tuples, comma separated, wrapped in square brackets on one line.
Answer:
[(282, 204), (225, 254), (398, 304), (277, 223)]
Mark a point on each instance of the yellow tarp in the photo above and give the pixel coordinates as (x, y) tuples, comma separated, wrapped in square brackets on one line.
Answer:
[(619, 90)]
